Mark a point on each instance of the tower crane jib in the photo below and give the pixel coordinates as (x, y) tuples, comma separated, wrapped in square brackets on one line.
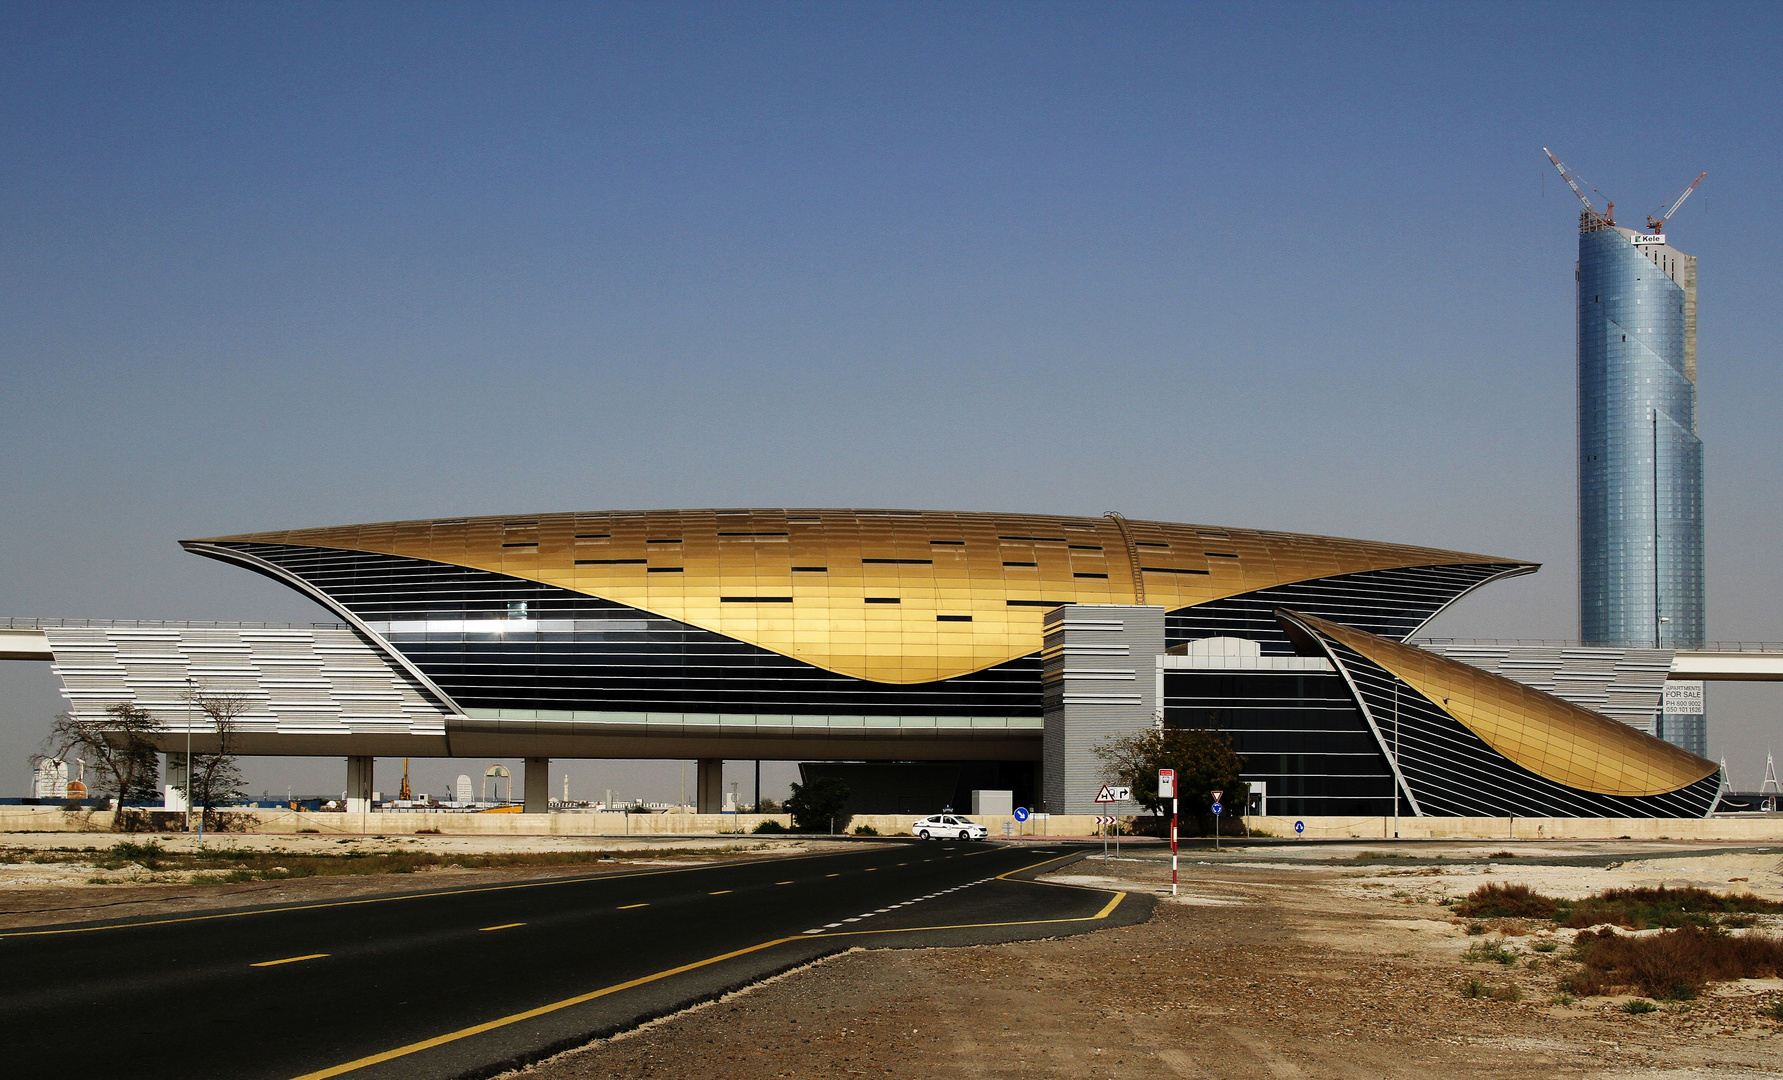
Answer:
[(1657, 224)]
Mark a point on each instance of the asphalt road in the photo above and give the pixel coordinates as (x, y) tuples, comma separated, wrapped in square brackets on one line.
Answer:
[(453, 983)]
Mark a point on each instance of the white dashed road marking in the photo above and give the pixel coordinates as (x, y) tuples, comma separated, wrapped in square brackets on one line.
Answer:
[(894, 907)]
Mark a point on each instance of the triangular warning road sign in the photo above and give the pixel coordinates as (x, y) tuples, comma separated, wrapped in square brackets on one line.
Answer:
[(1106, 794)]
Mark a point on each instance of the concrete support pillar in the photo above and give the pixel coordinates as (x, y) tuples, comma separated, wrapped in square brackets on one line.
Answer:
[(537, 779), (359, 784), (709, 788)]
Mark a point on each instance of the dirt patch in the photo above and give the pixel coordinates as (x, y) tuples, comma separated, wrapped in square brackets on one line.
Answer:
[(1268, 971)]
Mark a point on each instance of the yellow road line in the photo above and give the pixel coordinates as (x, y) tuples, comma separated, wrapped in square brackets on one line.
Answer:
[(503, 926), (628, 907), (718, 892), (289, 960), (542, 1010), (783, 883), (832, 875)]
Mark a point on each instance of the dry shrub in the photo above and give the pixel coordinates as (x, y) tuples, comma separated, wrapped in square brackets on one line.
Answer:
[(1675, 964), (1636, 909), (1639, 909), (1494, 901)]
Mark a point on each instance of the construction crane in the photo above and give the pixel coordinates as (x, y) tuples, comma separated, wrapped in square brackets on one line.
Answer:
[(1657, 224), (1608, 217)]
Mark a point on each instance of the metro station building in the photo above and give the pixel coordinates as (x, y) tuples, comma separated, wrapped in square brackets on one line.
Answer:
[(1011, 645)]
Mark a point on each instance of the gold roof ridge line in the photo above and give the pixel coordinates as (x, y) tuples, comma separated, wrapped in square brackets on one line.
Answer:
[(536, 517)]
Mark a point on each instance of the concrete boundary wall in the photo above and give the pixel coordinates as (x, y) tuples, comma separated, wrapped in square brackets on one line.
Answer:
[(1757, 829), (49, 819), (1763, 829)]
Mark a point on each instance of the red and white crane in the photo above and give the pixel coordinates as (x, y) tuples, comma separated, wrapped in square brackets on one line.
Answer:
[(1656, 225), (1608, 217)]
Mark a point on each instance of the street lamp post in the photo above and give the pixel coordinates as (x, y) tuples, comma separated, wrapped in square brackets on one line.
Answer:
[(188, 791)]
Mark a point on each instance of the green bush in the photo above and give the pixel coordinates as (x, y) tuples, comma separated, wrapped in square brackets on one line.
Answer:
[(865, 830), (1639, 1006), (769, 826), (1486, 950)]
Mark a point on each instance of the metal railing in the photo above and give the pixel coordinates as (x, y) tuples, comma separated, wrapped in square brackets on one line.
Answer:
[(17, 622), (1552, 643)]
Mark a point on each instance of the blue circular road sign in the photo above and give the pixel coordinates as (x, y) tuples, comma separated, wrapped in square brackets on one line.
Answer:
[(1021, 813), (1300, 826), (1217, 808)]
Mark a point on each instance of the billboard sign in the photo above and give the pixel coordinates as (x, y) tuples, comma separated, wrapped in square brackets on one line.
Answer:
[(1684, 697)]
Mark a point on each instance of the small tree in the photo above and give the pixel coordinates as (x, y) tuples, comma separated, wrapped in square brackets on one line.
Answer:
[(1204, 762), (120, 748), (216, 777), (814, 806)]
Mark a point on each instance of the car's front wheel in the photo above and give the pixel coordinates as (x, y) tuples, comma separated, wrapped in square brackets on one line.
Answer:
[(964, 835), (924, 834)]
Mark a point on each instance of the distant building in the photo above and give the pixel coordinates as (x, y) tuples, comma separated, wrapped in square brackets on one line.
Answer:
[(998, 650), (50, 781), (1640, 460)]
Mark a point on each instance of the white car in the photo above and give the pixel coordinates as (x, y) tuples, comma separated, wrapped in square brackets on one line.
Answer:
[(948, 826)]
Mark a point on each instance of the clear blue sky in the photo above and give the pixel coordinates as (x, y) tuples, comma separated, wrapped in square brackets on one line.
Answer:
[(1298, 267)]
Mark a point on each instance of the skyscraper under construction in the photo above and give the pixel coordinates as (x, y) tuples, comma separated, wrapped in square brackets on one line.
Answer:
[(1640, 459)]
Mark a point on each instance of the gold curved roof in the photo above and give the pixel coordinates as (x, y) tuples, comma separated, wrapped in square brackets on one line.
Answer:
[(896, 596), (1550, 737)]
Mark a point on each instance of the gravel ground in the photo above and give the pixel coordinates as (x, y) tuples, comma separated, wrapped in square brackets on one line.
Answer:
[(1264, 967)]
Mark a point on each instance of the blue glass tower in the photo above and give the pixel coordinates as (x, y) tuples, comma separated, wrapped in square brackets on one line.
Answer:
[(1640, 460)]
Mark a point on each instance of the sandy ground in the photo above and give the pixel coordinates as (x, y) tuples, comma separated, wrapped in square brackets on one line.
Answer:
[(37, 894), (1290, 964)]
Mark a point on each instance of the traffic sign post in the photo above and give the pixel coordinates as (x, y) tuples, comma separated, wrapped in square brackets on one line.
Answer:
[(1216, 818), (1167, 789), (1110, 794)]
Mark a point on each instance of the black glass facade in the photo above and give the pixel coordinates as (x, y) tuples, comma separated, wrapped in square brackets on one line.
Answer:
[(1299, 731), (1390, 603)]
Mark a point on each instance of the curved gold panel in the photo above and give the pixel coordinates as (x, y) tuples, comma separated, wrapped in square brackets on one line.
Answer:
[(1550, 737), (896, 596)]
